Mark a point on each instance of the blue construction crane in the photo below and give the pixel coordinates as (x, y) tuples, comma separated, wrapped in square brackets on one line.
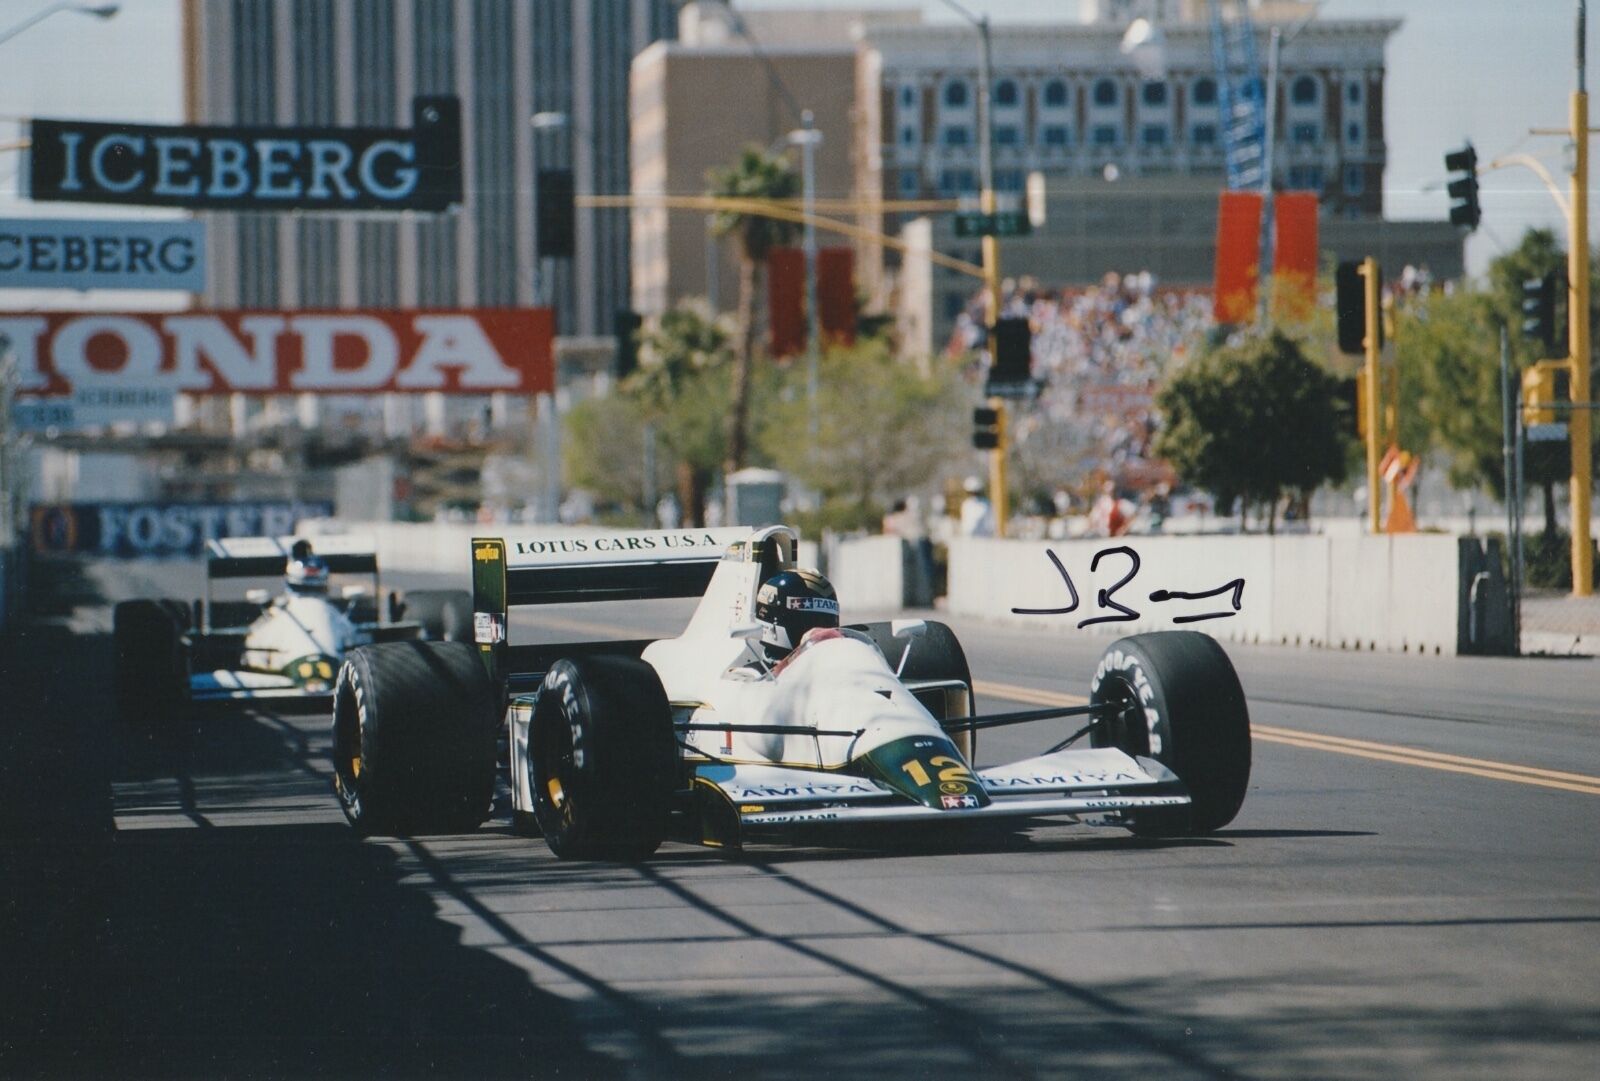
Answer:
[(1241, 97)]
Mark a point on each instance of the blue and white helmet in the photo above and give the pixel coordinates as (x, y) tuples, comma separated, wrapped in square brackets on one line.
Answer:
[(789, 604), (306, 573)]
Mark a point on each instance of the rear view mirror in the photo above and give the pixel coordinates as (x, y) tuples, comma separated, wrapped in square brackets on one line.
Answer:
[(748, 632), (350, 592), (257, 596), (908, 628)]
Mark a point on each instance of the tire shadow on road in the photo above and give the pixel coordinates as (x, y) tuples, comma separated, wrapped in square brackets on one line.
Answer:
[(287, 947)]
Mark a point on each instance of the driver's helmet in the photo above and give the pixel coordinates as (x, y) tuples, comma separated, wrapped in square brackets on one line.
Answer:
[(306, 573), (789, 604)]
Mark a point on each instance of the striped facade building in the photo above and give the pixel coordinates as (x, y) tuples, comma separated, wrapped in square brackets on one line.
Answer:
[(360, 63)]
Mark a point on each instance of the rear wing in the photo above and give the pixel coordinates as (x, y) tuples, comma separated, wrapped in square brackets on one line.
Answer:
[(569, 568), (266, 557)]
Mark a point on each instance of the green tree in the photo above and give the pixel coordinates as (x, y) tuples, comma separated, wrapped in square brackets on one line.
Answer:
[(753, 175), (683, 385), (884, 429), (1252, 421), (1448, 349)]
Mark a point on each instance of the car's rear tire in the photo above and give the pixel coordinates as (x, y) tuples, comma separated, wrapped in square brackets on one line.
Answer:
[(414, 738), (1184, 707), (445, 614), (602, 759), (151, 670), (935, 654)]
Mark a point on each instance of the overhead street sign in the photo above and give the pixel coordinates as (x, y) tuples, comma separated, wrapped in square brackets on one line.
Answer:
[(970, 223), (99, 253), (253, 168)]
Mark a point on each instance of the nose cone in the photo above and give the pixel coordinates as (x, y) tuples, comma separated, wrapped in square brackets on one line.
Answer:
[(930, 771)]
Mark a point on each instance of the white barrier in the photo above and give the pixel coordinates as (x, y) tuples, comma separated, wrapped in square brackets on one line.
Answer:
[(868, 573), (1392, 593)]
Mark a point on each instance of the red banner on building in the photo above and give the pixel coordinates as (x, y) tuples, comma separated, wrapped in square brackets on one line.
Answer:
[(472, 351), (836, 295), (786, 302), (1238, 256), (1294, 254)]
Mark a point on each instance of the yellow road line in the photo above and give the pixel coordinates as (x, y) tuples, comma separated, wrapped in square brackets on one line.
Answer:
[(1316, 741), (1341, 743)]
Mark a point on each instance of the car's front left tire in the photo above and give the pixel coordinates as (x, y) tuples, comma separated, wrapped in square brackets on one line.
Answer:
[(602, 759), (414, 727), (1178, 700)]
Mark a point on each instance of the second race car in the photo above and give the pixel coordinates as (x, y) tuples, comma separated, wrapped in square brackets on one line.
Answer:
[(170, 653)]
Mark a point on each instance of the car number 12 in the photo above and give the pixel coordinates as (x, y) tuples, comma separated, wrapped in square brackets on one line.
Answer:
[(953, 770)]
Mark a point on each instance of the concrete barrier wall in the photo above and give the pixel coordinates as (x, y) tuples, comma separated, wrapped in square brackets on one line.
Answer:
[(1393, 593), (868, 573)]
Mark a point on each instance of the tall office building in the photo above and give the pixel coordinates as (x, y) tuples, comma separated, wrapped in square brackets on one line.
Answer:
[(360, 62)]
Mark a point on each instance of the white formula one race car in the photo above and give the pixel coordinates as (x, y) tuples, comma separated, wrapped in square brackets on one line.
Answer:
[(737, 729), (170, 653)]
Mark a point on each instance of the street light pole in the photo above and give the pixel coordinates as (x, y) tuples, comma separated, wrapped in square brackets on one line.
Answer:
[(808, 138), (99, 11), (1578, 326), (1268, 148)]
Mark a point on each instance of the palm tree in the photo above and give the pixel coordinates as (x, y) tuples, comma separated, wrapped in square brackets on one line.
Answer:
[(754, 175)]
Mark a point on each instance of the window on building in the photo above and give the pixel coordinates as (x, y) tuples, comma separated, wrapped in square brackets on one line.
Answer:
[(1251, 89), (1153, 135), (1352, 93), (957, 182), (1105, 135), (1303, 91), (910, 183), (1008, 180), (908, 97), (1056, 135), (1355, 181), (1005, 93), (1305, 177), (956, 136), (1205, 92), (1055, 94), (1006, 135), (908, 136), (1352, 134), (1154, 93), (955, 93), (1203, 134), (1105, 92), (1305, 133)]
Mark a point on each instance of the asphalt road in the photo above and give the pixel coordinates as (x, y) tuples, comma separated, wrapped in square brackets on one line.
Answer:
[(1412, 890)]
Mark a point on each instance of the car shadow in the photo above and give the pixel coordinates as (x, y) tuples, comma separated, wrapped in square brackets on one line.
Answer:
[(201, 923)]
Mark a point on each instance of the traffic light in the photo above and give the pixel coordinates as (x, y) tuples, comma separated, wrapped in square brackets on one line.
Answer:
[(1350, 400), (1539, 311), (1464, 188), (985, 428), (626, 326), (1544, 384), (1351, 306), (556, 224), (1011, 346)]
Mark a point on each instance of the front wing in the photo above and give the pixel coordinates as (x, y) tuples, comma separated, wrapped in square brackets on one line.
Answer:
[(223, 686), (1071, 784)]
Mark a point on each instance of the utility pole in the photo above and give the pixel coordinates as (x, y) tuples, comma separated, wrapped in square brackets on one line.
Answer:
[(991, 271), (1369, 274), (1578, 327)]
